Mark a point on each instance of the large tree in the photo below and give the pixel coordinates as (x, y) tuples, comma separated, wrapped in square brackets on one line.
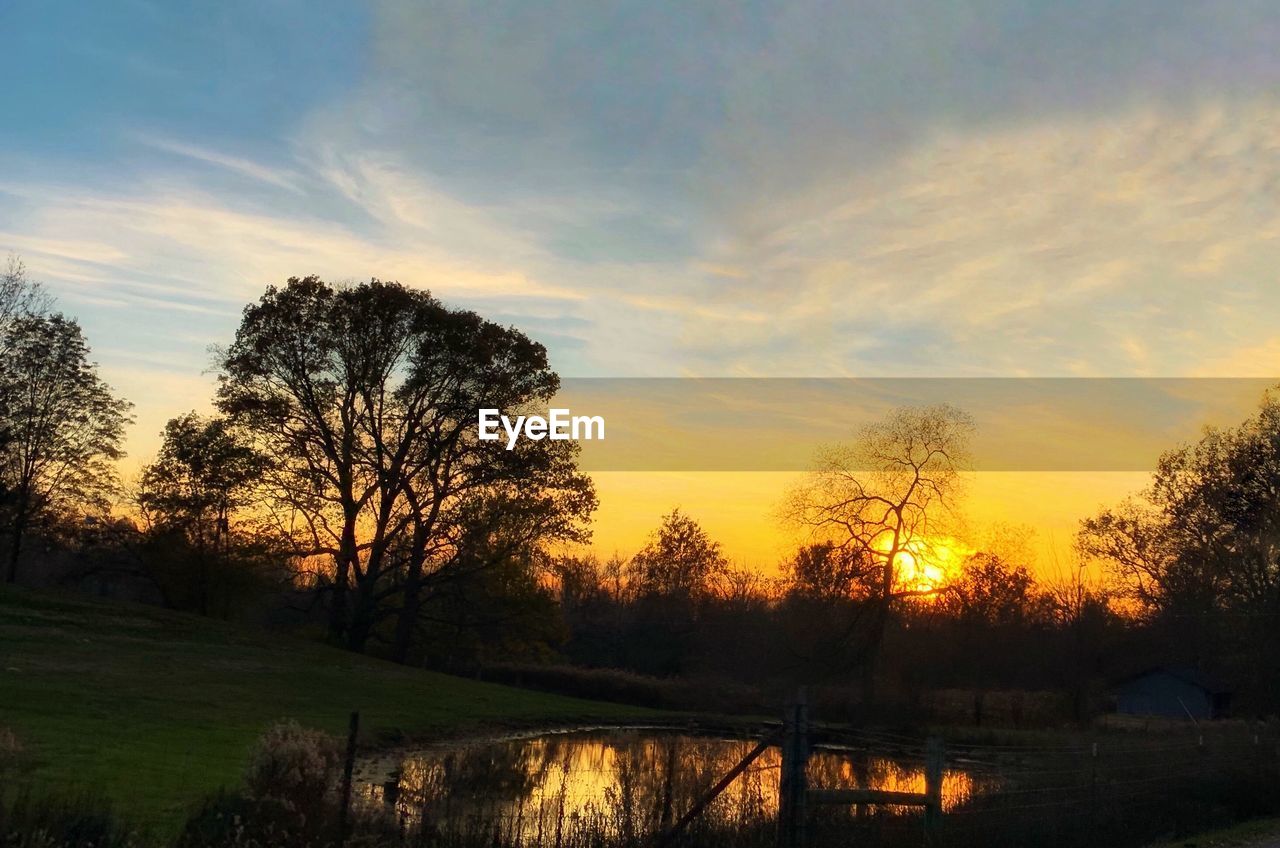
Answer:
[(1199, 549), (881, 501), (1206, 533), (62, 425), (364, 400)]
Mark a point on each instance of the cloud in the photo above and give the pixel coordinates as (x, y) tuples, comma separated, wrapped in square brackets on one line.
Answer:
[(285, 179), (1113, 245), (802, 189)]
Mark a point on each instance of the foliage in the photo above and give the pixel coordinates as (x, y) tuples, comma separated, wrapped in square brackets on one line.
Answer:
[(992, 592), (679, 559), (63, 426), (202, 475), (1199, 551), (198, 547), (28, 820), (623, 687), (826, 570), (364, 400), (293, 765)]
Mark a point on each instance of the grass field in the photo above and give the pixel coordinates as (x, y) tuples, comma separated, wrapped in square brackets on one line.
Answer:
[(1260, 833), (153, 710)]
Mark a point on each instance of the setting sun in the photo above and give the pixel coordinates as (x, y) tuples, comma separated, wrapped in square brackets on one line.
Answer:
[(927, 565)]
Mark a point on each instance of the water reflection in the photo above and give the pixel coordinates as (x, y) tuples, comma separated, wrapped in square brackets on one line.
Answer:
[(614, 784)]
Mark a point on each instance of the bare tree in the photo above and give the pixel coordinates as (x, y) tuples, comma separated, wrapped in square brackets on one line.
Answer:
[(882, 500)]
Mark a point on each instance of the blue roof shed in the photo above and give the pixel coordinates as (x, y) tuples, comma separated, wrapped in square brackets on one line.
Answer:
[(1172, 692)]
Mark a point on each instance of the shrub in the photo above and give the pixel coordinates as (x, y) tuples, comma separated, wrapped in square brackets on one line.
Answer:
[(13, 756), (28, 821), (294, 766), (625, 687)]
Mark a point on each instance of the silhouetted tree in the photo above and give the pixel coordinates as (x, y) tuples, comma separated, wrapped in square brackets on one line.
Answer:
[(62, 425), (1200, 549), (19, 296), (992, 593), (364, 398), (203, 475), (670, 583), (881, 499), (827, 570), (679, 559)]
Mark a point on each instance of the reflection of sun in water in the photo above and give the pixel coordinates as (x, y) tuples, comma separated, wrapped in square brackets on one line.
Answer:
[(624, 783)]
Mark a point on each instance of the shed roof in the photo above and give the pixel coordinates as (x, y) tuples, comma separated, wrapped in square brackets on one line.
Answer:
[(1186, 674)]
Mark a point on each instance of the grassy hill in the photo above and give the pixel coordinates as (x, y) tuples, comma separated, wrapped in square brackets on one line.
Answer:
[(154, 710)]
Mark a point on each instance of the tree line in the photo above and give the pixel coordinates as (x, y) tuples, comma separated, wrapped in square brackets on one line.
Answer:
[(341, 470), (340, 487)]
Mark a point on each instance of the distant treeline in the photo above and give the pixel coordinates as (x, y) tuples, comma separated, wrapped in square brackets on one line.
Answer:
[(341, 488)]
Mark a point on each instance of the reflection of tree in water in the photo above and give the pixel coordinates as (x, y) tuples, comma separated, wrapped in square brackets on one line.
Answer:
[(862, 769), (658, 780), (616, 786), (439, 788)]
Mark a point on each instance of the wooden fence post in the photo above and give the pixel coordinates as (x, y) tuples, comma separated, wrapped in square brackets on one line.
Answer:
[(793, 785), (348, 768), (933, 771), (1093, 791)]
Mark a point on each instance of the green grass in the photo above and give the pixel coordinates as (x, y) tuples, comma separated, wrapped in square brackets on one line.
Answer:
[(1259, 832), (153, 710)]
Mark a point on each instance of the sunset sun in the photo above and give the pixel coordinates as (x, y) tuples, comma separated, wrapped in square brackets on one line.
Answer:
[(928, 565)]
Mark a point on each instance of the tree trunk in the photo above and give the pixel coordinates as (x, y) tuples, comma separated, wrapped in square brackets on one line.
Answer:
[(15, 544), (410, 609), (347, 554), (871, 660), (879, 626), (15, 549), (361, 623)]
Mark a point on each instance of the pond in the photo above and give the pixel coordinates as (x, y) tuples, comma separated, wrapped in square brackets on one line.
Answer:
[(615, 784)]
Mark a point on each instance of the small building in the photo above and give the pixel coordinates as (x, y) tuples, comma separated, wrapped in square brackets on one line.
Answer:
[(1172, 692)]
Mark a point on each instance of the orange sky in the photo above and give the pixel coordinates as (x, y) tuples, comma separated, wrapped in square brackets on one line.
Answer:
[(738, 508), (1069, 191)]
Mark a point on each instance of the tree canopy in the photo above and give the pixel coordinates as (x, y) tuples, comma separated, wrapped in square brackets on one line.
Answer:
[(62, 425), (364, 398)]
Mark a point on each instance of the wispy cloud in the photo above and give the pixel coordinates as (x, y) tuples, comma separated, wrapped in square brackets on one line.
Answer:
[(280, 178)]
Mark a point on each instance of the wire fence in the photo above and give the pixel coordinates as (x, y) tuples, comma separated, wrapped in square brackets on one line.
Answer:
[(1108, 790), (1064, 791)]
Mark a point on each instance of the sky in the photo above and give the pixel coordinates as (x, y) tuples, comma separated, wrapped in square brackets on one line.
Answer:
[(884, 188)]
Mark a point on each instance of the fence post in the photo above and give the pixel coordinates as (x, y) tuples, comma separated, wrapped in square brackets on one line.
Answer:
[(933, 770), (1204, 757), (1258, 770), (348, 768), (1093, 791), (793, 782)]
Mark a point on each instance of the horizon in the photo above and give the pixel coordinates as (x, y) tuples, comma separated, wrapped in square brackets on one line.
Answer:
[(719, 194)]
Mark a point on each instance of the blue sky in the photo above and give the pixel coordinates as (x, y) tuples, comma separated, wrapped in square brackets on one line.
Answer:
[(882, 188)]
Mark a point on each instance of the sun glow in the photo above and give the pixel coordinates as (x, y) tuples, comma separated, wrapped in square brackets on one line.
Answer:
[(927, 565)]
